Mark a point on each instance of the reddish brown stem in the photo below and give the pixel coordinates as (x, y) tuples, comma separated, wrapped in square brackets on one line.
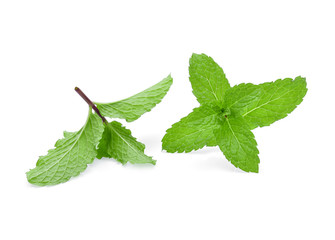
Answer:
[(90, 103)]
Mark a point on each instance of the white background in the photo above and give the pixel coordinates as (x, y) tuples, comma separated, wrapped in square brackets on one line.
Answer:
[(114, 49)]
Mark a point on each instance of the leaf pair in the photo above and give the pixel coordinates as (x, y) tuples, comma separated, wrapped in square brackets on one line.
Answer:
[(227, 114), (97, 139)]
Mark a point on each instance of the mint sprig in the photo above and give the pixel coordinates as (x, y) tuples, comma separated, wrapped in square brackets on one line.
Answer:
[(227, 114), (98, 138)]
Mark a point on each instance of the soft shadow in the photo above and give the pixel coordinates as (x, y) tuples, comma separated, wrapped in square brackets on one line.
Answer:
[(153, 140), (205, 151), (218, 163), (214, 162), (128, 165), (140, 166)]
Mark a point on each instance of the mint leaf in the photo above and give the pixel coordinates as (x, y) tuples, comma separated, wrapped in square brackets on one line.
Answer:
[(208, 80), (103, 147), (278, 99), (242, 98), (227, 114), (133, 107), (71, 155), (238, 143), (118, 143), (193, 131)]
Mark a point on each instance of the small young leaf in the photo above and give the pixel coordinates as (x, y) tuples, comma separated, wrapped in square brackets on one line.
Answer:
[(133, 107), (238, 143), (71, 155), (208, 80), (278, 99), (193, 131), (118, 143)]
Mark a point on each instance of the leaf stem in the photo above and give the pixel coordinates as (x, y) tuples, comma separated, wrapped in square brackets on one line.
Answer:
[(90, 103)]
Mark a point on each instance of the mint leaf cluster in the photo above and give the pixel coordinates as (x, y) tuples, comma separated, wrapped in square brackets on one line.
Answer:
[(227, 114), (98, 138)]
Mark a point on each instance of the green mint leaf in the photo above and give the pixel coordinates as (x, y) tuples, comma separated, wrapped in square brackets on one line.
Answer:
[(193, 131), (118, 143), (71, 155), (278, 99), (103, 148), (242, 98), (133, 107), (208, 80), (227, 115), (238, 143)]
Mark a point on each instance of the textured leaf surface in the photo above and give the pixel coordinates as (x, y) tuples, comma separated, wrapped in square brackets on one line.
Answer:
[(118, 143), (133, 107), (193, 131), (227, 114), (208, 80), (242, 98), (71, 155), (238, 143), (278, 99)]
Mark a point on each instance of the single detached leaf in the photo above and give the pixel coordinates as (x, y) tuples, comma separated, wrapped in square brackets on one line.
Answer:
[(242, 98), (238, 143), (133, 107), (278, 99), (71, 155), (208, 80), (118, 143), (193, 131)]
